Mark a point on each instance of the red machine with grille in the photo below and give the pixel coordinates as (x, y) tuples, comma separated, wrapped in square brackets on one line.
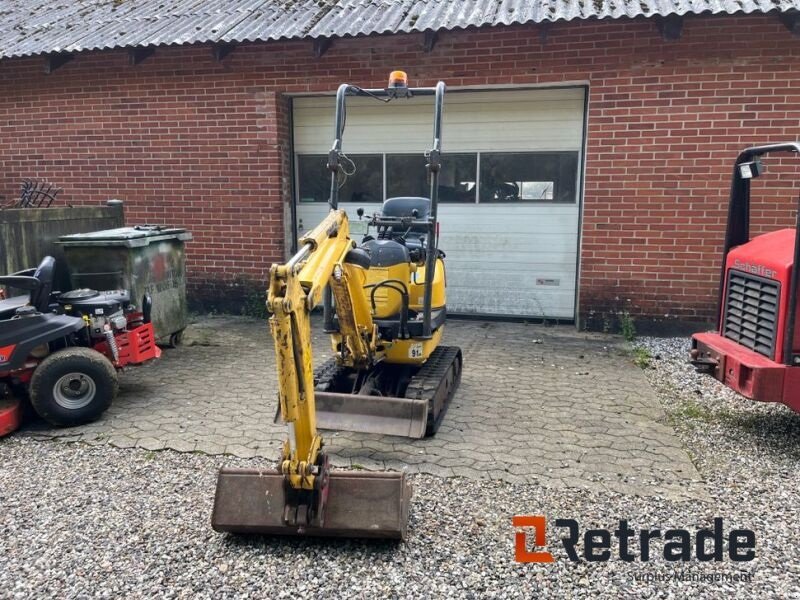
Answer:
[(755, 349)]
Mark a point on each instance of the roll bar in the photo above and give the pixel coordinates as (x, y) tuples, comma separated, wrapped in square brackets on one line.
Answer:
[(434, 165), (737, 232)]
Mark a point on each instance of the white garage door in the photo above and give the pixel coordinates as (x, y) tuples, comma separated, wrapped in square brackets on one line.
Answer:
[(509, 190)]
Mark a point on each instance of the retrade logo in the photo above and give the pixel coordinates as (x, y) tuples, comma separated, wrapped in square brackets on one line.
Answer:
[(629, 545), (521, 552)]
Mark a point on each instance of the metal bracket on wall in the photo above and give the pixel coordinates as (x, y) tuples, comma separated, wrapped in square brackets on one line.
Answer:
[(791, 20), (321, 46), (56, 60), (431, 37), (137, 55), (220, 51), (544, 32), (670, 27)]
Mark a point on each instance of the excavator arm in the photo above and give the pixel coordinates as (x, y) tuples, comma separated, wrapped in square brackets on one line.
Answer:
[(295, 288), (314, 500)]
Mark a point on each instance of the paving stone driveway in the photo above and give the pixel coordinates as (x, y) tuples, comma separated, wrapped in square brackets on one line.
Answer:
[(536, 403)]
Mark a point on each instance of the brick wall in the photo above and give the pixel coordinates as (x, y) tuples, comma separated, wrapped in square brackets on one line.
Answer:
[(188, 141)]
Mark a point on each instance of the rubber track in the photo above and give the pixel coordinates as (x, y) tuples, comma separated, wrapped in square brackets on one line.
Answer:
[(426, 382), (326, 373)]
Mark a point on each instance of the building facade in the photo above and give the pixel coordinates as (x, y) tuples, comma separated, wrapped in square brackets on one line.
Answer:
[(587, 163)]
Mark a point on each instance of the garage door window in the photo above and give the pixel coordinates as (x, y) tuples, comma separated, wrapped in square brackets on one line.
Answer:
[(363, 183), (529, 177), (504, 177), (406, 176)]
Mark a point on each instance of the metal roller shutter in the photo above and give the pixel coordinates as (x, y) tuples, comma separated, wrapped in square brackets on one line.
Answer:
[(510, 227)]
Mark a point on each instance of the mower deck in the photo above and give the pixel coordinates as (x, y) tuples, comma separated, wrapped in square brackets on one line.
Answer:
[(10, 415)]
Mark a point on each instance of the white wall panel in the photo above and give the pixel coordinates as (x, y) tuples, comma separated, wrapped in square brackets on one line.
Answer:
[(502, 259)]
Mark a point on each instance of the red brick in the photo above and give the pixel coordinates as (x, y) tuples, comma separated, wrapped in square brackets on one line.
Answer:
[(187, 141)]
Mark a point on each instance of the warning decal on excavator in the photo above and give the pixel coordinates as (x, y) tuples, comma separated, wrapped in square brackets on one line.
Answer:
[(359, 227), (415, 351)]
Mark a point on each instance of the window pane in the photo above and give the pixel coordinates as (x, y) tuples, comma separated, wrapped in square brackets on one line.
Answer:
[(529, 177), (364, 184), (406, 176)]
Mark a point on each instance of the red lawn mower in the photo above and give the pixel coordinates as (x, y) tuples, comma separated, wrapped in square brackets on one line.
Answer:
[(64, 349)]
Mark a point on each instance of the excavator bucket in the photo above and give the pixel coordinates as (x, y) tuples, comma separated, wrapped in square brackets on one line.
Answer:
[(372, 414), (359, 504)]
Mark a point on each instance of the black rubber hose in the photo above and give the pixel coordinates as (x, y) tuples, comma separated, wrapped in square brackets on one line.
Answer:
[(403, 291)]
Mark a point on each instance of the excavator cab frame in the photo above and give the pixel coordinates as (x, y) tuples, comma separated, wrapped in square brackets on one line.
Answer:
[(396, 89)]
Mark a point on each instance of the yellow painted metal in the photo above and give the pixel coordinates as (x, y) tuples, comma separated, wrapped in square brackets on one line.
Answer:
[(413, 351), (416, 288), (357, 333), (388, 302), (329, 242), (295, 288), (291, 332)]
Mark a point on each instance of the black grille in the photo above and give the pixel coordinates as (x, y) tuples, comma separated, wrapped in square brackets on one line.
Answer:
[(751, 312)]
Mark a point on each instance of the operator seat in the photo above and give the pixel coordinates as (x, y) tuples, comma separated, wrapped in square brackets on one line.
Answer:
[(404, 244), (404, 206)]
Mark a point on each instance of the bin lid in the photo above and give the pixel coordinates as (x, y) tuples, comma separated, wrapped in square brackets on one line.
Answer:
[(132, 237)]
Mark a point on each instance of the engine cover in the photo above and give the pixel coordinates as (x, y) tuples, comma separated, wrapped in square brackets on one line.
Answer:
[(91, 302), (386, 253)]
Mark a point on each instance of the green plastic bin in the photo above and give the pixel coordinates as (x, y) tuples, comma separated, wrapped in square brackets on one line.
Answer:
[(146, 259)]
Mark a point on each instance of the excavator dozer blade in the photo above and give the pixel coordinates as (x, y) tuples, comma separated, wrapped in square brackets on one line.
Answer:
[(359, 505), (385, 415)]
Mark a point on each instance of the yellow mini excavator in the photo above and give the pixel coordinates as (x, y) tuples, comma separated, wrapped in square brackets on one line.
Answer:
[(384, 308)]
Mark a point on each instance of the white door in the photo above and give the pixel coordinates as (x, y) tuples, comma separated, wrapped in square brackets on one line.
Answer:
[(509, 190)]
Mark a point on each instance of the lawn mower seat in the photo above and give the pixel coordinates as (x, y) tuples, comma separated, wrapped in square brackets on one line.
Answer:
[(45, 273), (40, 284)]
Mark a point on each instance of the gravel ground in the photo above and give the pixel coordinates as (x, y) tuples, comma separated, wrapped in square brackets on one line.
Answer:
[(79, 520), (747, 452)]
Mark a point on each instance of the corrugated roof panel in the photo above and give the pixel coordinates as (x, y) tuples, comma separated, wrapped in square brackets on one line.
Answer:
[(426, 15), (356, 18), (42, 26), (153, 22), (276, 20)]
